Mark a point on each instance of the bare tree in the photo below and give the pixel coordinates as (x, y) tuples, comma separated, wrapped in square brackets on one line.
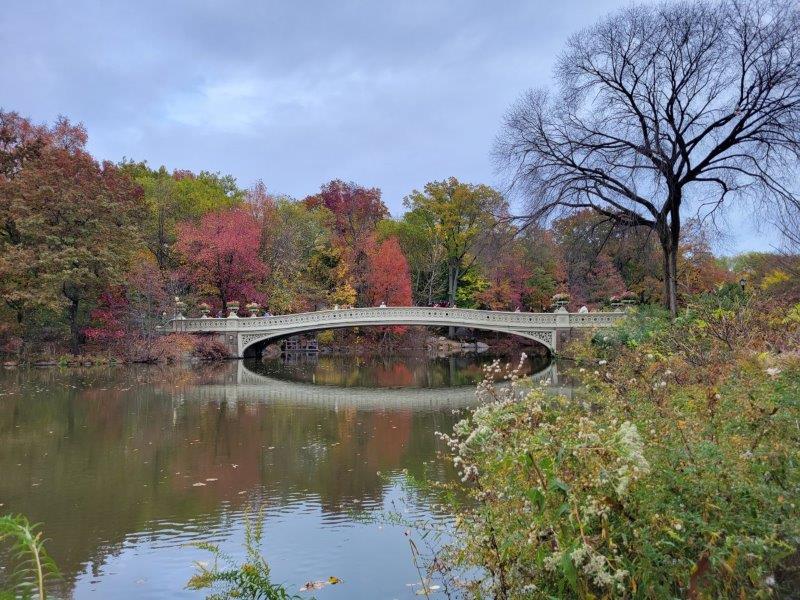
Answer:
[(661, 109)]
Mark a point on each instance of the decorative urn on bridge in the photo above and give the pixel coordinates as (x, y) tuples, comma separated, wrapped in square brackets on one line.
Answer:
[(560, 301), (205, 309), (233, 308), (252, 308), (179, 308)]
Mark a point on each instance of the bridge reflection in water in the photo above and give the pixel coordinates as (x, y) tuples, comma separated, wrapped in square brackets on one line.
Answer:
[(253, 387)]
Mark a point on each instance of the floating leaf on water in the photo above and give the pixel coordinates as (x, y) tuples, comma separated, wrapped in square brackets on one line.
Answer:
[(211, 478), (318, 585), (312, 585), (198, 484)]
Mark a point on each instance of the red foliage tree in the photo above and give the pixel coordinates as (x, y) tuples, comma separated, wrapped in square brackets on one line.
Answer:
[(356, 211), (108, 319), (389, 279), (220, 256), (600, 283), (508, 280)]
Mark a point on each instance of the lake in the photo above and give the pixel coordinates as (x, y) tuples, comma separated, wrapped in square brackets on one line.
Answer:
[(124, 466)]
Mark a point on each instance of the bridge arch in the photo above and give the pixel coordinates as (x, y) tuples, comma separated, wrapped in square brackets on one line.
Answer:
[(250, 340)]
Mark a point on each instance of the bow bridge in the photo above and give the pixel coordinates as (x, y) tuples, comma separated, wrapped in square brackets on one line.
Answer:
[(548, 329)]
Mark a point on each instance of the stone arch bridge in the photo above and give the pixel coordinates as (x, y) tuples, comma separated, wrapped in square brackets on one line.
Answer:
[(549, 329)]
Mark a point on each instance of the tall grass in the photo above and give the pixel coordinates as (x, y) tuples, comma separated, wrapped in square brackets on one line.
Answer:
[(30, 561)]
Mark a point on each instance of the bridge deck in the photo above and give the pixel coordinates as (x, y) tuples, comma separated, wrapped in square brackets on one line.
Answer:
[(541, 327)]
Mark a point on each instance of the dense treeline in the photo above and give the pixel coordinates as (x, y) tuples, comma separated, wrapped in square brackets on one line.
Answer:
[(93, 255)]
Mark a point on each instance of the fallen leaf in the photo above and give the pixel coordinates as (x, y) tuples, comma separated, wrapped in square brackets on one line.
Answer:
[(198, 484), (318, 585), (312, 585)]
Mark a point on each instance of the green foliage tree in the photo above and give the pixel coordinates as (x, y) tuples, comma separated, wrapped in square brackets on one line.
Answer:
[(461, 218), (293, 242)]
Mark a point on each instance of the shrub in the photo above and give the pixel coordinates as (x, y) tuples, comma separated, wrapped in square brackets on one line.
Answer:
[(639, 325), (663, 477), (170, 348), (210, 349)]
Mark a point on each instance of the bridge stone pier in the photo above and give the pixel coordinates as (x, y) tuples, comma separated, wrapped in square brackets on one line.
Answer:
[(551, 330)]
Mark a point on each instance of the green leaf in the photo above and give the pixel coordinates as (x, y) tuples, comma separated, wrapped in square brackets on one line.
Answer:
[(568, 568), (537, 498), (554, 483)]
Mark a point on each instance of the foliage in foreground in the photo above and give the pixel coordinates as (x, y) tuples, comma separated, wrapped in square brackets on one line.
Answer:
[(32, 566), (250, 580), (674, 473)]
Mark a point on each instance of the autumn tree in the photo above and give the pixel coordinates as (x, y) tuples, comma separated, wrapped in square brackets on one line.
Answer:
[(461, 217), (220, 256), (20, 140), (660, 109), (596, 252), (507, 281), (296, 244), (356, 212), (68, 228), (424, 253), (329, 275), (174, 197), (125, 317), (544, 259), (698, 269), (389, 279)]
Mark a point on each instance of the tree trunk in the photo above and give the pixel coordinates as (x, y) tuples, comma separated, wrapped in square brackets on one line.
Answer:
[(669, 236), (72, 316), (452, 288)]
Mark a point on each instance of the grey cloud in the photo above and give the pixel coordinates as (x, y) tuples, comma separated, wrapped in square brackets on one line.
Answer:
[(389, 94)]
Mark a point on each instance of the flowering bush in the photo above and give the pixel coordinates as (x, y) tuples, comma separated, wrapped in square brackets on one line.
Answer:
[(661, 478)]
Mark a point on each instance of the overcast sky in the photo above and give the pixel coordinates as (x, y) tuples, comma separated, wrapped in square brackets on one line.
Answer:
[(384, 93)]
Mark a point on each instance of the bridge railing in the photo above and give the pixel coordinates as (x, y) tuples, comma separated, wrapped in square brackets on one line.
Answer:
[(390, 315)]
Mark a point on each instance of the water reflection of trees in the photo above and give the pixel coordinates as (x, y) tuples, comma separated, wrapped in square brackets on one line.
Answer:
[(99, 454)]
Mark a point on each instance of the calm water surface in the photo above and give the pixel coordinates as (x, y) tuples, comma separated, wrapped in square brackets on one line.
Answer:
[(109, 459)]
